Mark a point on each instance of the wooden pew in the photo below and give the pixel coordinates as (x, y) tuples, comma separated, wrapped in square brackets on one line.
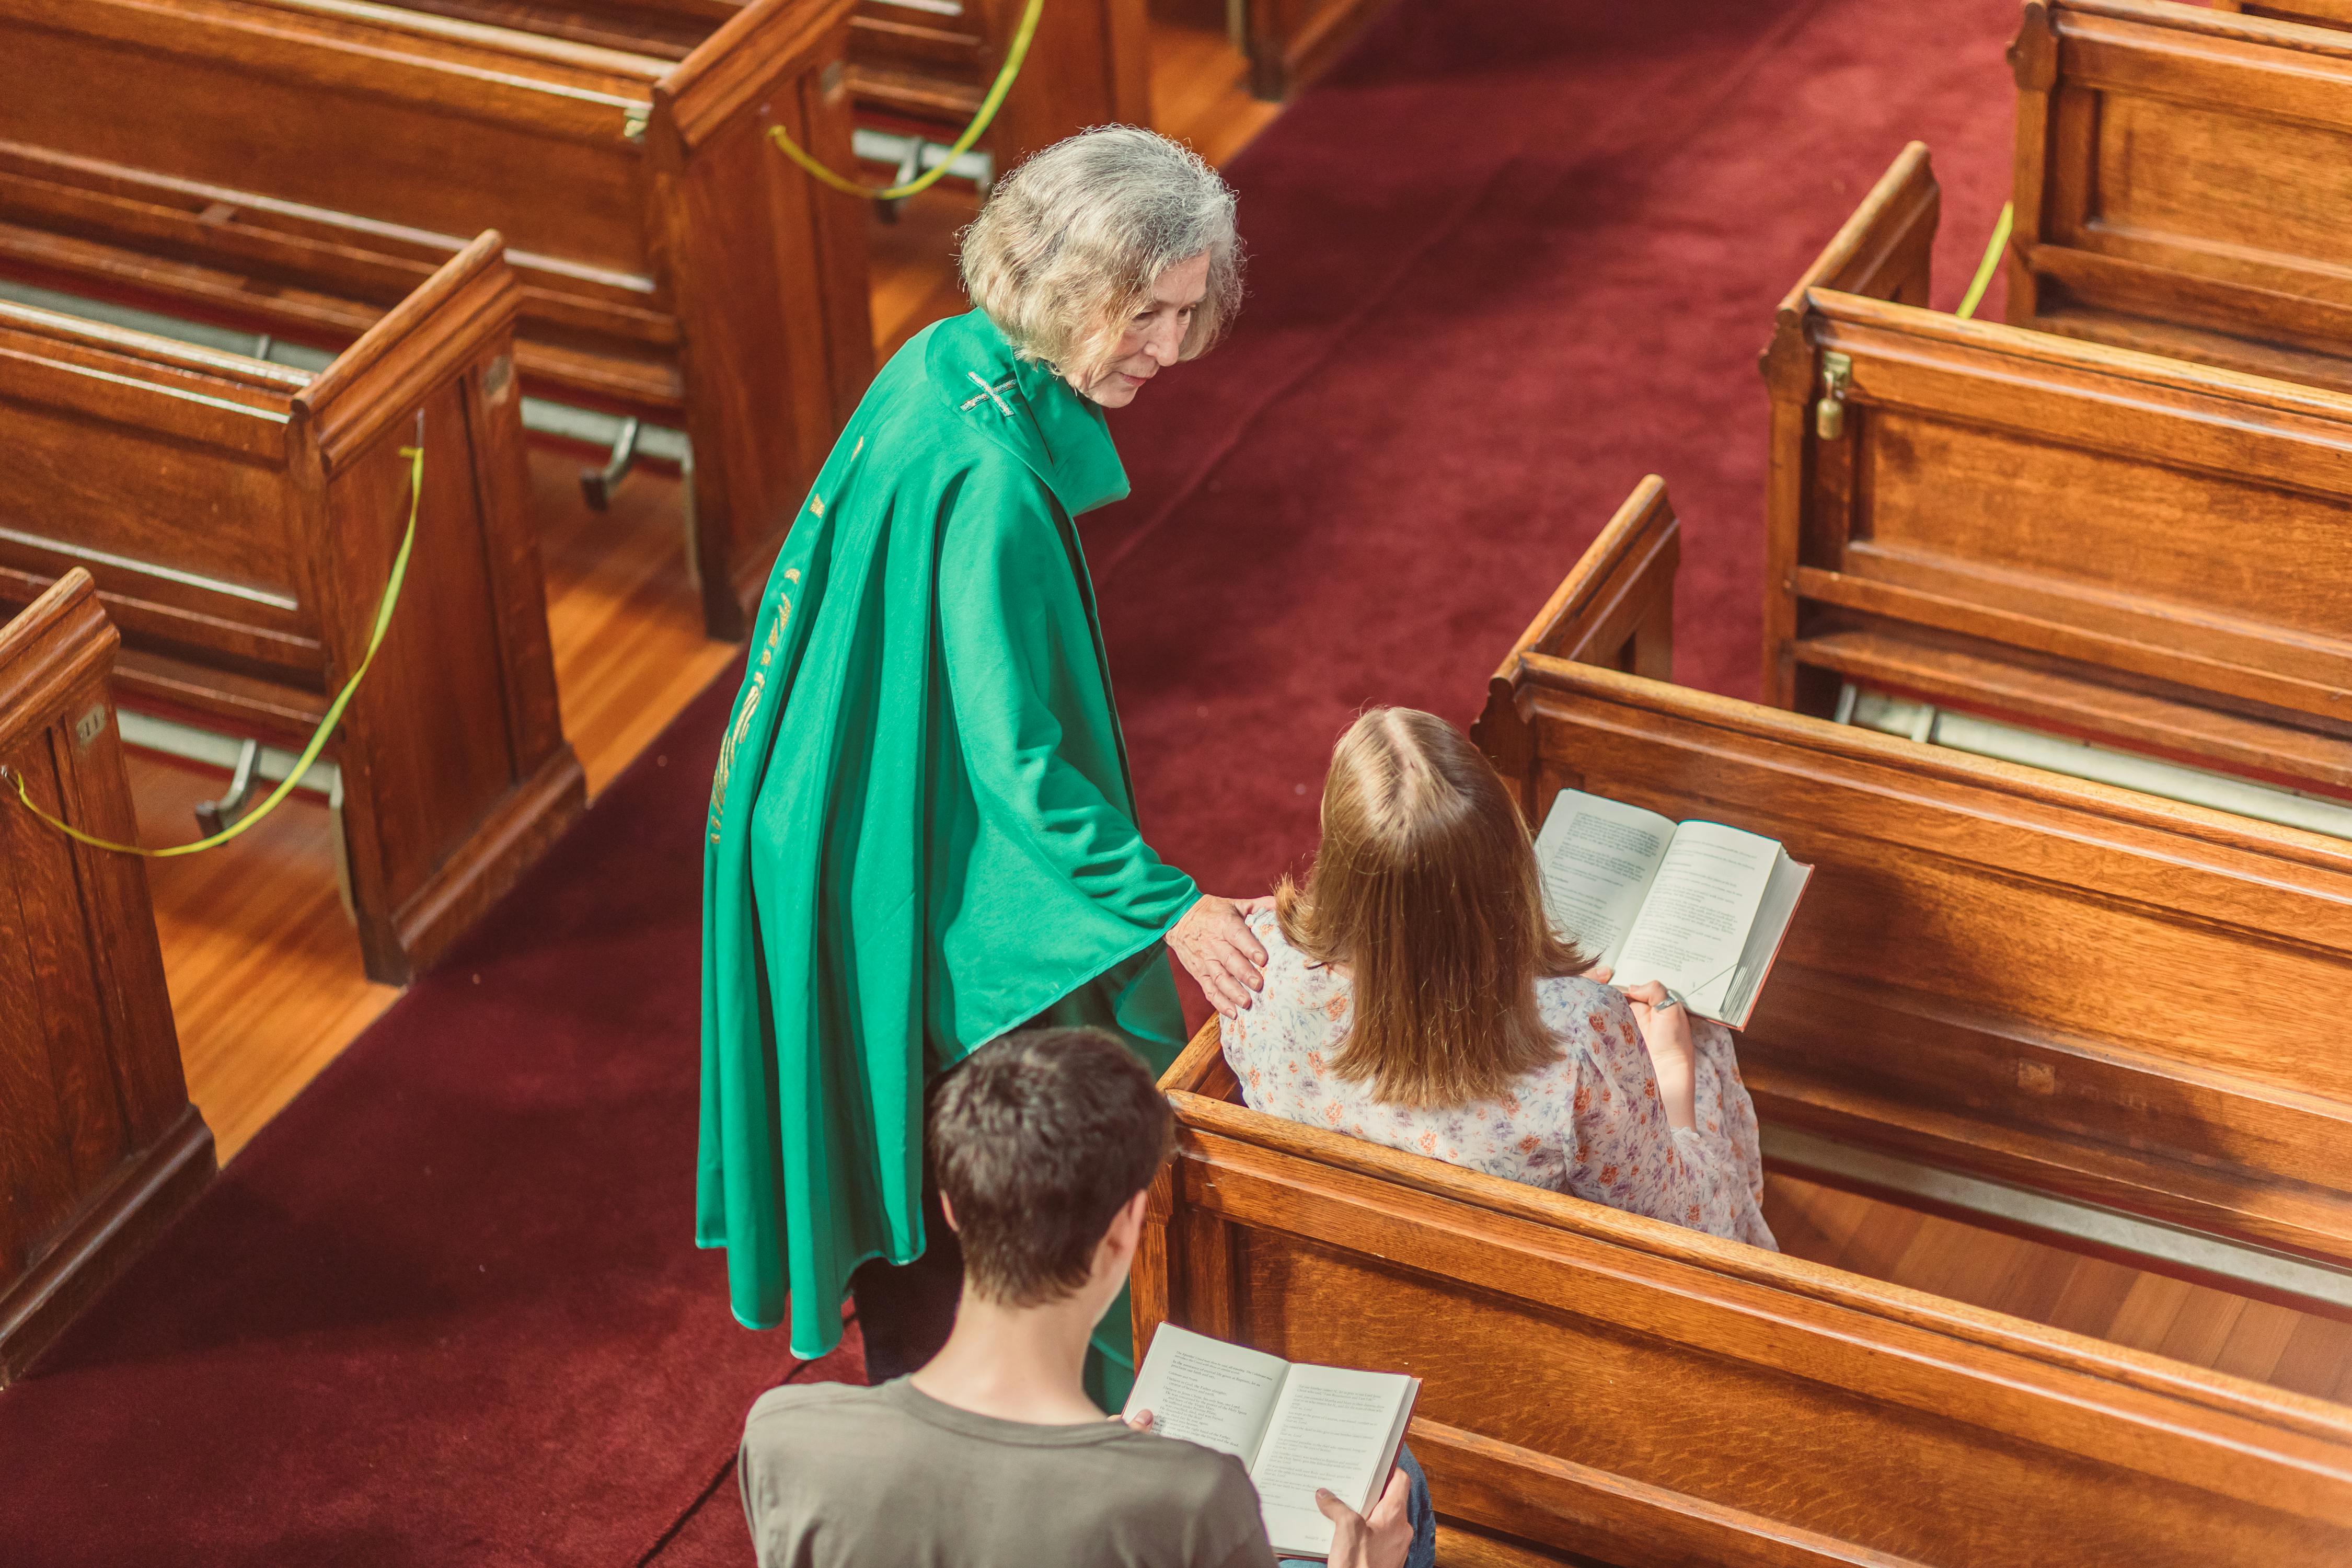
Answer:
[(2098, 544), (923, 67), (1291, 42), (674, 265), (240, 520), (99, 1145), (2184, 180), (926, 68), (2321, 13), (1990, 963)]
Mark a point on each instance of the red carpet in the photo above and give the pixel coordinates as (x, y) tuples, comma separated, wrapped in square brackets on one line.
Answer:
[(447, 1309)]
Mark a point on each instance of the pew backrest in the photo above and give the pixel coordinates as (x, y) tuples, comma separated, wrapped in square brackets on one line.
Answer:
[(99, 1145), (2095, 541), (2184, 182)]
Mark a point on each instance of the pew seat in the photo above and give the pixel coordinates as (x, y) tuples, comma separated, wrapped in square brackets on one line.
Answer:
[(99, 1145), (1993, 969), (2184, 180), (675, 268), (2084, 540), (240, 519)]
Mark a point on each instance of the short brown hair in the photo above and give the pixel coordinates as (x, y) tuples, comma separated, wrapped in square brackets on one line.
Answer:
[(1036, 1140), (1426, 887)]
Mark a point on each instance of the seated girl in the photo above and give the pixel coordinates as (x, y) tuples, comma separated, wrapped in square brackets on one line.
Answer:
[(1416, 996)]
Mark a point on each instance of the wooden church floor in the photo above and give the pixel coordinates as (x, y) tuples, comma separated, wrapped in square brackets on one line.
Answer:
[(2200, 1324)]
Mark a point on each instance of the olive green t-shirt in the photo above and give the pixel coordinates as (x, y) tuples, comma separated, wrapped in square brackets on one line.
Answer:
[(836, 1475)]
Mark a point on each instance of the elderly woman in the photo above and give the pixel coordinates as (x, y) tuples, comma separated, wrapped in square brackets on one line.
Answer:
[(922, 832)]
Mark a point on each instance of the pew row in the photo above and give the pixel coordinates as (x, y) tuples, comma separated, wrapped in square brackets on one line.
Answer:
[(240, 520), (1610, 1387), (675, 266), (2082, 539), (99, 1145), (2184, 180), (2071, 968), (912, 65), (1601, 1384)]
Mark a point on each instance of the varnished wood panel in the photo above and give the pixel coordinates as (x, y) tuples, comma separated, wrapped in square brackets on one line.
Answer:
[(1616, 1386), (2064, 963), (456, 773), (2011, 522), (674, 264), (2182, 180), (99, 1145), (1291, 42)]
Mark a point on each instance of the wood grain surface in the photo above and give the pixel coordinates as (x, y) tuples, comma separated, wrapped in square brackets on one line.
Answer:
[(673, 265), (2184, 180), (2008, 522), (99, 1145), (240, 520)]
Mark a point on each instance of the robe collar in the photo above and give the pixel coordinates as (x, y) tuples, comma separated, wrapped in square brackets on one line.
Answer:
[(1026, 407)]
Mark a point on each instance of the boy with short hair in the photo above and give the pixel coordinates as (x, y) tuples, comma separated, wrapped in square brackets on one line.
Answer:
[(1044, 1145)]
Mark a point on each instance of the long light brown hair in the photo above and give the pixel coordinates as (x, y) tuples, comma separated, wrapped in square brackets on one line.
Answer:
[(1425, 888)]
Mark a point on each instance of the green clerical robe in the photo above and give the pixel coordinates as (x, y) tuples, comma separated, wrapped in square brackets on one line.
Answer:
[(922, 829)]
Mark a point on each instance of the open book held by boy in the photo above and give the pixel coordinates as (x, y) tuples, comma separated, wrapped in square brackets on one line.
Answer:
[(1043, 1144)]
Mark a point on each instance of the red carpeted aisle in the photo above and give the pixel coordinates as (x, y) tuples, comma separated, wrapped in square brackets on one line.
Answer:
[(1510, 259)]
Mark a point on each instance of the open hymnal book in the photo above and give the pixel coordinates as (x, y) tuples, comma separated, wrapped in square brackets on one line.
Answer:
[(1296, 1427), (1699, 907)]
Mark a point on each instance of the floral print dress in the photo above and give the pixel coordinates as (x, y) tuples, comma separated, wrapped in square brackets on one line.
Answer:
[(1591, 1124)]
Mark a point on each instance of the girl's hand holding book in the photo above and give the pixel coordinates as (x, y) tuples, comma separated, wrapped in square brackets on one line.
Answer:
[(1667, 1033)]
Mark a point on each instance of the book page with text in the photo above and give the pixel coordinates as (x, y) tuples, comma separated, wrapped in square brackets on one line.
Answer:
[(1331, 1427), (1206, 1391), (1693, 924), (1597, 858)]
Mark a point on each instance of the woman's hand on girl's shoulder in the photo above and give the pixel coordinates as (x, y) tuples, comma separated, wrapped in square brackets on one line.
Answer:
[(1216, 947)]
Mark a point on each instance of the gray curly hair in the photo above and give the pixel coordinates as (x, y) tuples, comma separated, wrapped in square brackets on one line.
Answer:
[(1070, 243)]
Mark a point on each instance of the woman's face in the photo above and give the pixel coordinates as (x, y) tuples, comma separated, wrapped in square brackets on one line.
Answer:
[(1154, 337)]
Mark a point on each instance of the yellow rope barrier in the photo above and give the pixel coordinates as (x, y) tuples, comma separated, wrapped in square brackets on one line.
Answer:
[(1983, 281), (1014, 56), (415, 456)]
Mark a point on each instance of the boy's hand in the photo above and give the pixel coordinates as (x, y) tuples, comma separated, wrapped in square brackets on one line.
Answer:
[(1380, 1542), (1140, 1421)]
